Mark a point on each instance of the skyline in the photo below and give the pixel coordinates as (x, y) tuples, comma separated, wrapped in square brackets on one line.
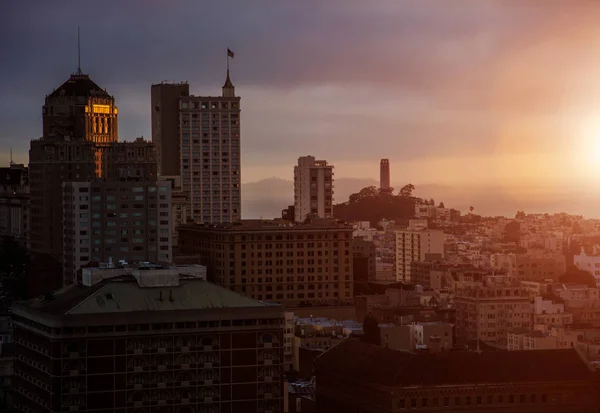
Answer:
[(498, 91)]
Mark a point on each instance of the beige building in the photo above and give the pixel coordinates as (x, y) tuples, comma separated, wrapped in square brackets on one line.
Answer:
[(198, 138), (276, 260), (313, 188), (530, 267), (104, 221), (416, 245), (489, 313), (180, 207), (535, 340)]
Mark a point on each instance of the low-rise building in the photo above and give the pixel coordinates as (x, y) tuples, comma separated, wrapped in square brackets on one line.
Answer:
[(360, 377), (589, 262), (489, 313)]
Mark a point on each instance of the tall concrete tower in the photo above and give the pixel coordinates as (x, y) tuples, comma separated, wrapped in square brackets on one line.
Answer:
[(384, 174)]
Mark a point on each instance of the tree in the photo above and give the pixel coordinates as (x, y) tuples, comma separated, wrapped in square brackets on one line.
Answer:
[(386, 191), (442, 205), (371, 330), (368, 192), (520, 215), (407, 190), (431, 202), (471, 209)]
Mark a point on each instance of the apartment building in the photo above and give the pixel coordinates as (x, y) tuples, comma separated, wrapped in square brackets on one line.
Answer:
[(488, 313), (276, 260), (313, 188), (416, 245), (148, 343), (201, 136), (589, 262), (128, 221), (129, 161)]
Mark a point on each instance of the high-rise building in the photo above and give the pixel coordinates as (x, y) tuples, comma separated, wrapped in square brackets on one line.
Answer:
[(206, 132), (81, 110), (276, 260), (164, 99), (313, 188), (153, 341), (416, 245), (106, 220), (53, 161), (130, 161), (80, 120), (384, 174), (14, 202)]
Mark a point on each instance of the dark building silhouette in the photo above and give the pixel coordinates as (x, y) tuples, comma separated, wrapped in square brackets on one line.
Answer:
[(148, 343), (364, 264), (14, 202), (361, 377), (384, 174)]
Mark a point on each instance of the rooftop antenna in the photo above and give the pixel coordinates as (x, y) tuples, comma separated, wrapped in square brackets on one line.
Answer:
[(11, 159), (79, 72)]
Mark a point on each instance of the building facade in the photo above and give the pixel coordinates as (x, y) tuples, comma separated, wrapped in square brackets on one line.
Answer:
[(52, 162), (181, 345), (14, 202), (359, 377), (384, 174), (130, 161), (313, 188), (489, 313), (128, 221), (276, 260), (164, 99), (416, 245), (205, 130)]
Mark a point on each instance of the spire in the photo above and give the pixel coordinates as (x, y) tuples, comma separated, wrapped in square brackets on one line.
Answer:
[(79, 72), (228, 88)]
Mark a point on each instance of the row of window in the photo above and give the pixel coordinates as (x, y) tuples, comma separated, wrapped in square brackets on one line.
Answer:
[(471, 400)]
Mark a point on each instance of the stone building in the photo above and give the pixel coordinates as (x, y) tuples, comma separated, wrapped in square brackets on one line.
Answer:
[(276, 260)]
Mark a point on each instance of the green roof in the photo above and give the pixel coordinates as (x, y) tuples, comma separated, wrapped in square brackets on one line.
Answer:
[(123, 295)]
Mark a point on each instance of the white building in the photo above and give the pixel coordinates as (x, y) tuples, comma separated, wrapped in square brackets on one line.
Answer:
[(589, 263), (313, 188), (415, 245)]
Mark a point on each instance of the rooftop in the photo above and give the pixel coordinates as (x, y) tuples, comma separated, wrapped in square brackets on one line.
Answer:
[(80, 85), (373, 364), (124, 295), (263, 224)]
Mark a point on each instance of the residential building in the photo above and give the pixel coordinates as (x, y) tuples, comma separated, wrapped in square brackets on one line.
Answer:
[(129, 161), (166, 126), (146, 341), (14, 202), (534, 340), (431, 336), (360, 377), (52, 162), (180, 213), (276, 260), (416, 245), (313, 188), (489, 313), (201, 135), (549, 312), (384, 174), (589, 262), (103, 220), (530, 267)]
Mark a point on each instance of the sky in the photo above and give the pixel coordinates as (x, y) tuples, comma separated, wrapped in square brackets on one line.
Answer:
[(454, 92)]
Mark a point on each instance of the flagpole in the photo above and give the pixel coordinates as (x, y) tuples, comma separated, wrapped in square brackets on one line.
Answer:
[(227, 53)]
